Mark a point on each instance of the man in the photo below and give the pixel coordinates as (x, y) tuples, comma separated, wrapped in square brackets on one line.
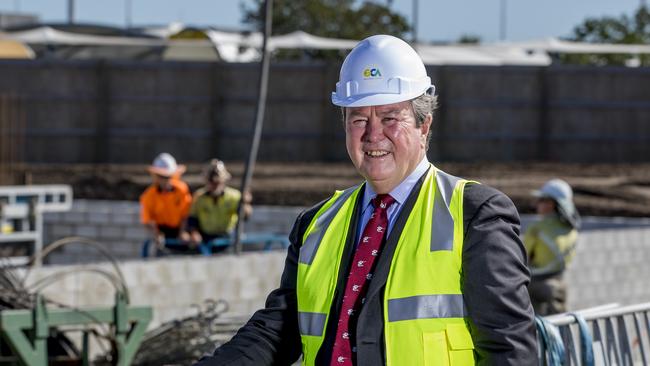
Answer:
[(412, 267), (551, 244), (165, 203), (214, 209)]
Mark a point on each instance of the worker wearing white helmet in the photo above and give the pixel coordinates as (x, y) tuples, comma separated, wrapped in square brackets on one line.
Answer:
[(412, 266), (164, 205), (550, 243)]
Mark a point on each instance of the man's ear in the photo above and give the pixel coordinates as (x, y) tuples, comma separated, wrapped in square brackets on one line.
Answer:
[(426, 125)]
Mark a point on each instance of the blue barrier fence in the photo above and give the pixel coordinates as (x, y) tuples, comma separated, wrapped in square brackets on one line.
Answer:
[(607, 335), (268, 241)]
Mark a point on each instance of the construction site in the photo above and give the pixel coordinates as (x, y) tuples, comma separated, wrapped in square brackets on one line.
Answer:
[(85, 109)]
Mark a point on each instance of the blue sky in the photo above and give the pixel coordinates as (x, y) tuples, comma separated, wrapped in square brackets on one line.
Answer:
[(438, 20)]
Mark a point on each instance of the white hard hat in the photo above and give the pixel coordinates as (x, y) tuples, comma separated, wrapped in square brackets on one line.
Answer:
[(557, 189), (381, 70), (164, 164), (561, 192)]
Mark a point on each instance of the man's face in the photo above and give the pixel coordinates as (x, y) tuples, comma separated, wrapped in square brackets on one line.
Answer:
[(384, 144), (545, 206), (162, 181), (215, 186)]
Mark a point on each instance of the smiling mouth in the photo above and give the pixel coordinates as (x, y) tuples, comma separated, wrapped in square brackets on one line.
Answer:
[(376, 153)]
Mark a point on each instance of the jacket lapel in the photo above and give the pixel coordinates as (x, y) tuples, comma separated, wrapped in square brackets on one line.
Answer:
[(348, 253)]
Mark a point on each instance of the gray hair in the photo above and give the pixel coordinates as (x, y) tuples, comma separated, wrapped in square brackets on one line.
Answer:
[(423, 106)]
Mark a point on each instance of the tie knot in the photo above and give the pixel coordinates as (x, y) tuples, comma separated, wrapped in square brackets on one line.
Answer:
[(383, 201)]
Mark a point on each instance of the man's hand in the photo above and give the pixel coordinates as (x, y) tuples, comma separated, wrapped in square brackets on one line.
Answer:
[(184, 237), (195, 238), (157, 237), (159, 240), (247, 198)]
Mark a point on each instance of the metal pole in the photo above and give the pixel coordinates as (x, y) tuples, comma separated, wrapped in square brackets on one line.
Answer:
[(127, 13), (259, 120), (503, 20), (414, 15), (70, 11)]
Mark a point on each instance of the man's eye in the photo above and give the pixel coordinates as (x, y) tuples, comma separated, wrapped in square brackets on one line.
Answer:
[(359, 122), (389, 119)]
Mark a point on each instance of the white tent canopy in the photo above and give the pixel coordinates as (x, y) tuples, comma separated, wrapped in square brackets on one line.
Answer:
[(237, 47), (481, 55), (245, 46), (533, 53), (554, 45), (48, 35), (302, 40)]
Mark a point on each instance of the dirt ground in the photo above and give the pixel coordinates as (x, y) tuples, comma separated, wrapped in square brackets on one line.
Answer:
[(600, 190)]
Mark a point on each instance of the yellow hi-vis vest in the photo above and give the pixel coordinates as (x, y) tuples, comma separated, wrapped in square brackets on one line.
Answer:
[(424, 313)]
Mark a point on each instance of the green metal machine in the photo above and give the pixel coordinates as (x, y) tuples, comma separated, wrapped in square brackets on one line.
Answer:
[(27, 330)]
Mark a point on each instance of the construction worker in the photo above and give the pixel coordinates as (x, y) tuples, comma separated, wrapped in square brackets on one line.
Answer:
[(411, 267), (551, 244), (164, 205), (214, 208)]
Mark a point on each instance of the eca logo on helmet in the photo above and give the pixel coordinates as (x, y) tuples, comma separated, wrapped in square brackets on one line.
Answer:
[(371, 72)]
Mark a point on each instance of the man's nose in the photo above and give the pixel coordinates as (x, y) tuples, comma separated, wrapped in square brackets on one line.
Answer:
[(374, 130)]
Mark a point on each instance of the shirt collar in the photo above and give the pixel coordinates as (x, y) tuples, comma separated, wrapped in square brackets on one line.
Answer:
[(402, 191)]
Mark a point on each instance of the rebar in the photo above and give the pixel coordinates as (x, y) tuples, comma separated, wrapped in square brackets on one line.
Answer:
[(184, 341)]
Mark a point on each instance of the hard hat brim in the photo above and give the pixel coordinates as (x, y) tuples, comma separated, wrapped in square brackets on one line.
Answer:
[(538, 194), (180, 169), (372, 99)]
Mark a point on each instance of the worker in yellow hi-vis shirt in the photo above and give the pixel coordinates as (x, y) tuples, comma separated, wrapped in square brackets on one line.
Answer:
[(551, 244), (214, 208)]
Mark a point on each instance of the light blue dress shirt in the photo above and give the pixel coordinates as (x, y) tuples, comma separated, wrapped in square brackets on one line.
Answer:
[(399, 193)]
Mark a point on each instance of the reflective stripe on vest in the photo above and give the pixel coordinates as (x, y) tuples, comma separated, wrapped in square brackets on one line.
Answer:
[(442, 234), (426, 307), (311, 324), (311, 241), (423, 302)]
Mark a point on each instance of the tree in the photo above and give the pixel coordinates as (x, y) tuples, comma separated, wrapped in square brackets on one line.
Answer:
[(621, 30), (326, 18)]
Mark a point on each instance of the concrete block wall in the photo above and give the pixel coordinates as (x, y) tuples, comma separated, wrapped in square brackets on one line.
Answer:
[(610, 266), (116, 225), (172, 285), (501, 113)]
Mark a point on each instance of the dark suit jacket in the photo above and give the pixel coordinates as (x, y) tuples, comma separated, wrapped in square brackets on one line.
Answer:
[(495, 277)]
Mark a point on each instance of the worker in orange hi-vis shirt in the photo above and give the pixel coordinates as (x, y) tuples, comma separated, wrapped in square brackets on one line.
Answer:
[(164, 205)]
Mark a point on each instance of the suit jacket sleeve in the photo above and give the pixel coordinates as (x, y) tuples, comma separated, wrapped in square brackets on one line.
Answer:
[(271, 336), (495, 279)]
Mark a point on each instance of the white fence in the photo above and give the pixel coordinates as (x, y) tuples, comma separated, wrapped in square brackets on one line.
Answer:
[(22, 209)]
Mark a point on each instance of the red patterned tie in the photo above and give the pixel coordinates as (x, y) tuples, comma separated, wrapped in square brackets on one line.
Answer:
[(370, 244)]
